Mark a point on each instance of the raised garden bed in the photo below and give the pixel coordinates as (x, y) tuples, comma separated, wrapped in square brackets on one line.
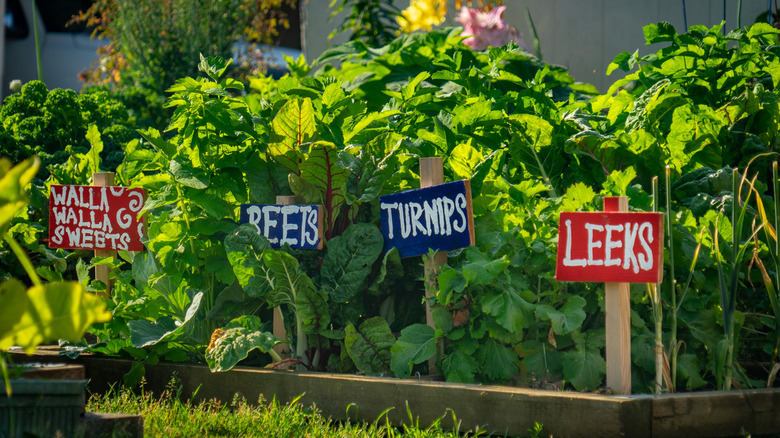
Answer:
[(497, 409)]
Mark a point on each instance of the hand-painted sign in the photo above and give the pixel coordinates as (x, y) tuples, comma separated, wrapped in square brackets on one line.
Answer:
[(437, 217), (300, 226), (610, 247), (95, 218)]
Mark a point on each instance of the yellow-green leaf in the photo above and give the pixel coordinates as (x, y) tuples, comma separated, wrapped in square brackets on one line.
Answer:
[(61, 310)]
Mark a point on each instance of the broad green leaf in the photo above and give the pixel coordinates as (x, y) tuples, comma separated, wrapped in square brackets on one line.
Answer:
[(390, 270), (187, 175), (244, 248), (369, 345), (510, 310), (312, 308), (228, 347), (538, 360), (584, 368), (498, 362), (287, 280), (93, 157), (214, 66), (144, 333), (463, 160), (460, 365), (162, 145), (349, 260), (759, 29), (13, 295), (480, 111), (365, 121), (577, 197), (624, 61), (416, 345), (569, 317), (689, 369), (321, 169), (293, 125), (62, 310), (482, 269), (13, 188), (656, 33), (367, 175)]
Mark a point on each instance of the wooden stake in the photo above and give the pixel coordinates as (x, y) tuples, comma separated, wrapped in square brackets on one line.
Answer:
[(618, 325), (103, 179), (431, 174), (279, 330)]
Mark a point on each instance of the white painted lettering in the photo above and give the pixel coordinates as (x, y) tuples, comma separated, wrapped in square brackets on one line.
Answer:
[(593, 244), (646, 259), (611, 244), (268, 222), (389, 208), (288, 226)]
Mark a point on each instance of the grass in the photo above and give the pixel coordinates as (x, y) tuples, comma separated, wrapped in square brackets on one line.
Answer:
[(166, 415)]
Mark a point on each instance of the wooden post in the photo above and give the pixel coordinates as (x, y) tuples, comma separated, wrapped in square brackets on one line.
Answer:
[(279, 329), (432, 173), (103, 179), (618, 324)]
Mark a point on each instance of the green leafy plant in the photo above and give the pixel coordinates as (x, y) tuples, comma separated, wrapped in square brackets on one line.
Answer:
[(41, 312)]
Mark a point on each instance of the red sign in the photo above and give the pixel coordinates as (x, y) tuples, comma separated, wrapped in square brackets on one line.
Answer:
[(610, 247), (95, 218)]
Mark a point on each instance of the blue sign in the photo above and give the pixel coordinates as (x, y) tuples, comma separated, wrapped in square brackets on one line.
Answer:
[(437, 217), (300, 226)]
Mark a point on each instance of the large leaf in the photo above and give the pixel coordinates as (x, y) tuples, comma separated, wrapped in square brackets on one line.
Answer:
[(584, 368), (322, 169), (510, 310), (287, 280), (367, 175), (461, 365), (482, 269), (13, 188), (369, 345), (62, 310), (349, 260), (416, 345), (569, 317), (13, 295), (228, 347), (293, 125), (391, 270), (144, 333), (244, 248), (497, 361), (312, 308)]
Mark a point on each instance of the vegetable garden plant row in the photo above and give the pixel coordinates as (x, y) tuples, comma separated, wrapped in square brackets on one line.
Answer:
[(500, 410)]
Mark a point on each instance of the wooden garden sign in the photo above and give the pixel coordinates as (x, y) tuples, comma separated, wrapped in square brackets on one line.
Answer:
[(100, 217), (438, 217), (618, 248), (95, 218), (300, 226)]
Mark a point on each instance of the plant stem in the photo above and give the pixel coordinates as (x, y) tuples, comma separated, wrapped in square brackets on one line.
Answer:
[(37, 41), (24, 260), (672, 280), (301, 344), (776, 198), (654, 290)]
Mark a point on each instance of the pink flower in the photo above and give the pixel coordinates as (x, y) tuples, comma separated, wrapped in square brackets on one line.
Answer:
[(486, 29)]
